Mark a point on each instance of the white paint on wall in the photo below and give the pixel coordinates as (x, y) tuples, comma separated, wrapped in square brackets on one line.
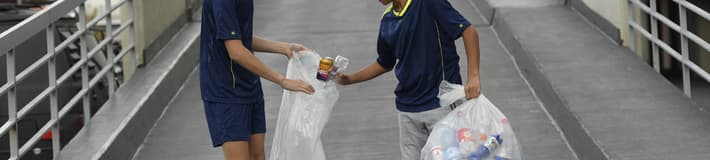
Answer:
[(612, 10), (615, 11), (151, 18)]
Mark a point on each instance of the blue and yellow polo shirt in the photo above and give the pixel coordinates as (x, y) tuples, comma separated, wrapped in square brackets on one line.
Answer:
[(221, 79), (418, 42)]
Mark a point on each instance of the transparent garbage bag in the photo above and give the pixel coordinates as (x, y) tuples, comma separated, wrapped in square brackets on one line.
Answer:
[(475, 130), (302, 117)]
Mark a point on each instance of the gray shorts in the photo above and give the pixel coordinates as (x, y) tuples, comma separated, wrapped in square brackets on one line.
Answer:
[(414, 128)]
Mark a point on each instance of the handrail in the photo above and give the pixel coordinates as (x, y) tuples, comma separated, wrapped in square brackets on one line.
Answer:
[(45, 21), (687, 5), (34, 24), (682, 28)]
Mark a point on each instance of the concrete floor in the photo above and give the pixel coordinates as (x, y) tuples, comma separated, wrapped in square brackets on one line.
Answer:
[(700, 90), (363, 124), (628, 109)]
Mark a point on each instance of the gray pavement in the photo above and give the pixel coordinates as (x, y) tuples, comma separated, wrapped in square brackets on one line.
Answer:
[(181, 133), (363, 124), (503, 84), (124, 121), (630, 111), (700, 90)]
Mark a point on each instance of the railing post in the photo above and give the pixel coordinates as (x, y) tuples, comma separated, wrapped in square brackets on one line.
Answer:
[(84, 68), (109, 49), (654, 32), (684, 48), (53, 109), (631, 34), (131, 35), (12, 104), (46, 21)]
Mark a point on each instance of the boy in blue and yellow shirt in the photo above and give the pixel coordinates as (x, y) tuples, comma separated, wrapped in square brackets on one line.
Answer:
[(417, 40)]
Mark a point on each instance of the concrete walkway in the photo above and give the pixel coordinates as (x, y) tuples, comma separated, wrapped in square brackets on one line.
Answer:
[(363, 124), (608, 102)]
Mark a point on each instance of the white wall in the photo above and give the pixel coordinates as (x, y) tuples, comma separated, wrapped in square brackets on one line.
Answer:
[(615, 12), (152, 18)]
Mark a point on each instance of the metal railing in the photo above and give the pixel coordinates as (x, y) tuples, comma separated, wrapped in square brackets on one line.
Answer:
[(45, 20), (682, 28)]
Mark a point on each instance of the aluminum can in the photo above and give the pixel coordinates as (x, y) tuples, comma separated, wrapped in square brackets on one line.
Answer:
[(324, 67)]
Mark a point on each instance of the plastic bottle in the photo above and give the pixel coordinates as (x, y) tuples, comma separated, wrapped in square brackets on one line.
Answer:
[(340, 63), (453, 153), (466, 141), (448, 137), (484, 150), (437, 153)]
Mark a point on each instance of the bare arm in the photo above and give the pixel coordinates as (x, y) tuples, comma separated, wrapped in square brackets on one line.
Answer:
[(261, 44), (241, 55), (473, 83), (369, 72)]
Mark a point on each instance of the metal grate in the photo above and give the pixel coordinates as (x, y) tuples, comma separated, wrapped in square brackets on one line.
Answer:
[(45, 20)]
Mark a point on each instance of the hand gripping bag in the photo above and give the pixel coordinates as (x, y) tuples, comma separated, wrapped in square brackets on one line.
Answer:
[(302, 117), (475, 130)]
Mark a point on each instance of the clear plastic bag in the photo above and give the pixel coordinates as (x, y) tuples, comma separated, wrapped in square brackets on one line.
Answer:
[(475, 130), (301, 116)]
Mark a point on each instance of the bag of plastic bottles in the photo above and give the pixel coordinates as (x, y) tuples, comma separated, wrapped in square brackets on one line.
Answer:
[(475, 130), (301, 116)]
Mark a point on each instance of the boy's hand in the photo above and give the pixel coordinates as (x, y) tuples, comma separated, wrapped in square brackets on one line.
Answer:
[(294, 47), (473, 88), (343, 79), (296, 85)]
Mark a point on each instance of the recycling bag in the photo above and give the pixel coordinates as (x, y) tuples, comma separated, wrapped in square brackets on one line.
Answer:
[(475, 130), (301, 116)]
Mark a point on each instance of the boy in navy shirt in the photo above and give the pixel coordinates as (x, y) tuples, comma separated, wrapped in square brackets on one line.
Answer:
[(229, 77), (416, 39)]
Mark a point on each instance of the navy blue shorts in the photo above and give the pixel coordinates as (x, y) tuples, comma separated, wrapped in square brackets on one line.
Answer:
[(234, 122)]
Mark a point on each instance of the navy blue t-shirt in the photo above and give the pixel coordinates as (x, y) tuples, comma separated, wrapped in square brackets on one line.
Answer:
[(221, 79), (417, 42)]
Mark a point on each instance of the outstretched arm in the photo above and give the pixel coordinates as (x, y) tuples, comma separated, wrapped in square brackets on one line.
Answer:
[(261, 44), (371, 71), (240, 54), (473, 84)]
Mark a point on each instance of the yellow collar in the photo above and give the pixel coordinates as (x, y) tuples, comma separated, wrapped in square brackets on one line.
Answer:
[(398, 14)]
